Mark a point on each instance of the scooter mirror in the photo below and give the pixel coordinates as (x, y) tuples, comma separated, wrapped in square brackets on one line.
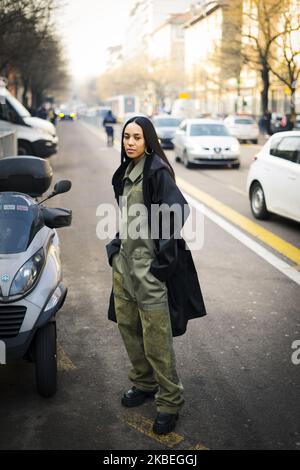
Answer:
[(62, 186)]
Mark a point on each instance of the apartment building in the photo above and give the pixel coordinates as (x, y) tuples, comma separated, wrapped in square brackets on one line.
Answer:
[(145, 17)]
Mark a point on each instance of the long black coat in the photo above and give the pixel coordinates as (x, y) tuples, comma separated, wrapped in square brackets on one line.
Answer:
[(173, 262)]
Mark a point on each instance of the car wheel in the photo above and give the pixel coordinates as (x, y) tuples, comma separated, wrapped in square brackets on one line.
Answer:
[(258, 202), (186, 162), (177, 159), (24, 148), (46, 360)]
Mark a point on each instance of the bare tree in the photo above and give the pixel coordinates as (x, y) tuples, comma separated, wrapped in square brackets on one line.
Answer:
[(29, 46), (286, 63), (254, 33), (47, 72), (126, 78), (167, 79), (17, 20)]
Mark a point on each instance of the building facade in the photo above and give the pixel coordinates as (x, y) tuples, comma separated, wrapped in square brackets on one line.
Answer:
[(145, 17)]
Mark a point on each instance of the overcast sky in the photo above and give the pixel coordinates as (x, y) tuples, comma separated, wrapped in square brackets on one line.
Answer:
[(87, 28)]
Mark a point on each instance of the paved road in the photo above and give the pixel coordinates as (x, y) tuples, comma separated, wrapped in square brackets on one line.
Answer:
[(241, 387)]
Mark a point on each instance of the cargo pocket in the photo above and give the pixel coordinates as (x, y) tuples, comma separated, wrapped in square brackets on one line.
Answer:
[(118, 279), (148, 289)]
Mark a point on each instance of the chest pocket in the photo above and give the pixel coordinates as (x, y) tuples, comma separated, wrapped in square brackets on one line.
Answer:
[(135, 193)]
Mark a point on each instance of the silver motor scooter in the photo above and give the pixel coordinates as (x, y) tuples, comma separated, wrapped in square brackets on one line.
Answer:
[(31, 287)]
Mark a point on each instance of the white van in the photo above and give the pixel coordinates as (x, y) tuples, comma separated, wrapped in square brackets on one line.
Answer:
[(35, 136), (184, 108)]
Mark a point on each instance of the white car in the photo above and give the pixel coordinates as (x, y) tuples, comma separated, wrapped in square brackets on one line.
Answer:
[(273, 182), (242, 127), (206, 142)]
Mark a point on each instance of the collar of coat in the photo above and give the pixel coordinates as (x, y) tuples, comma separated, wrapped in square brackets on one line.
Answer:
[(152, 165)]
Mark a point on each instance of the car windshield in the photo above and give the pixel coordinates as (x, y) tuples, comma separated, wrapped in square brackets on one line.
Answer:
[(208, 129), (167, 122), (244, 121), (20, 109), (20, 220)]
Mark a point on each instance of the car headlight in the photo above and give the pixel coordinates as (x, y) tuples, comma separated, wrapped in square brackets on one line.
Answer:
[(235, 147), (28, 274)]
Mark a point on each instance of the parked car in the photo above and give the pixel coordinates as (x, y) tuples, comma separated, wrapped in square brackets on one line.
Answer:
[(273, 182), (297, 123), (35, 136), (165, 126), (206, 142), (243, 127)]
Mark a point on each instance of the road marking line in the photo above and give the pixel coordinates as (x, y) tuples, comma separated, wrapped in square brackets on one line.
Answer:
[(269, 238), (237, 190), (63, 361), (224, 183), (144, 425), (197, 447), (272, 259)]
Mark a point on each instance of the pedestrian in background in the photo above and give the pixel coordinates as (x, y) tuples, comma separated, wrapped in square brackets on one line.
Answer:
[(155, 284), (42, 112), (52, 115), (109, 119), (267, 119)]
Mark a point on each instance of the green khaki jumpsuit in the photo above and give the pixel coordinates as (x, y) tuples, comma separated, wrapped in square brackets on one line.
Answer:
[(142, 311)]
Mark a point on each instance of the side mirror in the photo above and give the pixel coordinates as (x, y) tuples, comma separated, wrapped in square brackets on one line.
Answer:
[(62, 187)]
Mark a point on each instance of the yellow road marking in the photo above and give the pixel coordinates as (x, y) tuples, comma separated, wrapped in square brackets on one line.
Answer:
[(287, 249), (63, 361), (144, 426), (197, 447)]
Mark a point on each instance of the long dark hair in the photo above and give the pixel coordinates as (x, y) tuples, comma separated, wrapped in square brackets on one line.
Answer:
[(151, 140)]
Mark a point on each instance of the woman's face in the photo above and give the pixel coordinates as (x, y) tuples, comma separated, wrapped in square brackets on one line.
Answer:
[(133, 140)]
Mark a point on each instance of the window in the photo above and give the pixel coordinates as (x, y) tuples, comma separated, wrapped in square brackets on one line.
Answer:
[(3, 112), (208, 129), (167, 122), (246, 121), (12, 114), (287, 148), (16, 105)]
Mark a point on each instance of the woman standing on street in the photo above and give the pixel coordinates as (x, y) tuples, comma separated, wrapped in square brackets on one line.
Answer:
[(155, 285)]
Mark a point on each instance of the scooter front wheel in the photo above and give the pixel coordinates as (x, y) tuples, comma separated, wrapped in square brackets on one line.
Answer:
[(46, 360)]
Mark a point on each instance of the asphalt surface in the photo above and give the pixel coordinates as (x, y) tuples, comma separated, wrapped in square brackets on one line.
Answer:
[(241, 388)]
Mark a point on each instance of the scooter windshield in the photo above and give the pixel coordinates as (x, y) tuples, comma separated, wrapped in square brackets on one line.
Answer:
[(20, 220)]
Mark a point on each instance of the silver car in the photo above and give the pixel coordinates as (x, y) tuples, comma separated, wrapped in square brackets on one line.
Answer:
[(165, 126), (206, 142)]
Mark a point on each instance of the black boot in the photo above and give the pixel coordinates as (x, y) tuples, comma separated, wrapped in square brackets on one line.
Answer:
[(165, 423), (136, 397)]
